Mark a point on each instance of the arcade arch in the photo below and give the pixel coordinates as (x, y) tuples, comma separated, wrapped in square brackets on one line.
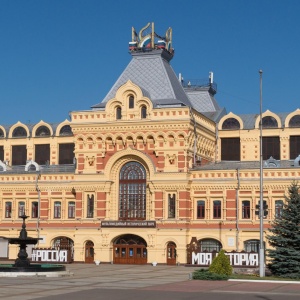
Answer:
[(129, 249)]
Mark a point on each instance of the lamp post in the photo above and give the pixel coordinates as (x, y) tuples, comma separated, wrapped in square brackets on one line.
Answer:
[(261, 204)]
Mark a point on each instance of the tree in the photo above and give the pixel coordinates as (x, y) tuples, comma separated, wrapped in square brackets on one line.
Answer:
[(285, 237), (221, 264)]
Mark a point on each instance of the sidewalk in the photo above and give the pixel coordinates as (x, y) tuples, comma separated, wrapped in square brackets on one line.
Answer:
[(92, 281)]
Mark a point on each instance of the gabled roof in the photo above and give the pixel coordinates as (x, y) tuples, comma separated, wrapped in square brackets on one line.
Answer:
[(152, 72)]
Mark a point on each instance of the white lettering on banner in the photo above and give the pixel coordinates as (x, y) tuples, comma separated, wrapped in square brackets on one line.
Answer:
[(49, 255), (201, 258), (236, 259)]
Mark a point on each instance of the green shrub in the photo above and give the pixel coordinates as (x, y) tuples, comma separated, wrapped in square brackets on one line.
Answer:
[(221, 264), (206, 275)]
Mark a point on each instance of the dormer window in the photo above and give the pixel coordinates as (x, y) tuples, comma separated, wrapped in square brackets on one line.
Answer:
[(295, 121), (19, 132), (143, 112), (131, 101), (269, 122), (231, 124), (118, 113), (65, 131), (43, 131)]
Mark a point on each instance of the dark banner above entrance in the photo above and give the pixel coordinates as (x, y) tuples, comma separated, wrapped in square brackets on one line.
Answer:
[(136, 224)]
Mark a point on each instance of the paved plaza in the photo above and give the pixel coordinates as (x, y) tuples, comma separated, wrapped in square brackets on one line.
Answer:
[(114, 282)]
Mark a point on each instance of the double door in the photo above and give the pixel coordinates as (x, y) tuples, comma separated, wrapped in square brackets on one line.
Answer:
[(130, 254)]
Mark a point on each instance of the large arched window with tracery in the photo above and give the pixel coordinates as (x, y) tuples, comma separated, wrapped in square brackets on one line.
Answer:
[(132, 192)]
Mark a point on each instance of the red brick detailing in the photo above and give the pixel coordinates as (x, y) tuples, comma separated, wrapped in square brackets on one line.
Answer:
[(230, 214), (230, 204), (230, 194), (158, 205)]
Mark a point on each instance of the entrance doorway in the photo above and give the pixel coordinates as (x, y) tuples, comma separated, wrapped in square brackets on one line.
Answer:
[(130, 249), (89, 252), (171, 253), (64, 243)]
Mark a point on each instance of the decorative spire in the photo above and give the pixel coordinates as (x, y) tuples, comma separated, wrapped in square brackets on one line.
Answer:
[(148, 40)]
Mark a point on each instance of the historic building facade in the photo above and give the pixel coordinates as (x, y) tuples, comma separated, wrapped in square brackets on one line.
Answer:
[(156, 164)]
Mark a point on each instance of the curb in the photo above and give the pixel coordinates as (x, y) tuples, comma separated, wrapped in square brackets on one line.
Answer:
[(264, 281)]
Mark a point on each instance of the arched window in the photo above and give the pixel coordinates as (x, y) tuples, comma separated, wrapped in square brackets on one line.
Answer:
[(71, 209), (1, 133), (64, 243), (34, 209), (19, 132), (217, 206), (295, 121), (210, 245), (8, 206), (57, 209), (246, 209), (42, 131), (90, 206), (65, 130), (269, 122), (131, 101), (251, 246), (171, 206), (231, 124), (21, 208), (143, 112), (118, 113), (278, 208), (200, 209), (132, 192)]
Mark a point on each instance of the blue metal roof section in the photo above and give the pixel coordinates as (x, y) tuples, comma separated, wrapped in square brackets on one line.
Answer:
[(152, 72)]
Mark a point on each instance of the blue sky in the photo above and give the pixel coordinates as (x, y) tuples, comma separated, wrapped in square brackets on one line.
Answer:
[(63, 55)]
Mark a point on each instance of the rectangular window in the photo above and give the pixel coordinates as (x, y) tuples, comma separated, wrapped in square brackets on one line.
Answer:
[(71, 210), (171, 206), (57, 210), (200, 209), (90, 206), (19, 155), (8, 206), (217, 209), (21, 209), (230, 149), (246, 209), (42, 154), (34, 210), (66, 153), (271, 147), (294, 147)]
